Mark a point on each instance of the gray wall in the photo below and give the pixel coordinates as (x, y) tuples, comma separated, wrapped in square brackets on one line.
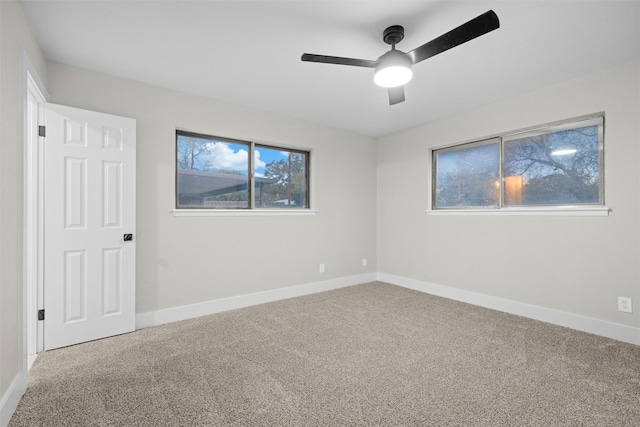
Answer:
[(577, 265), (188, 260), (15, 38), (370, 198)]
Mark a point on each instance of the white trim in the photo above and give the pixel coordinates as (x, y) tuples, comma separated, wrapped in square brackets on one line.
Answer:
[(32, 216), (550, 211), (155, 318), (242, 212), (11, 398), (604, 328), (29, 81), (28, 66), (31, 360)]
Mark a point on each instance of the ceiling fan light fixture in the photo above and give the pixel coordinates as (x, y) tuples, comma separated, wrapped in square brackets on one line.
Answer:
[(393, 70)]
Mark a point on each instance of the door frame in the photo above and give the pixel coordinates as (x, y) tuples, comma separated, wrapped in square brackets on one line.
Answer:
[(32, 215)]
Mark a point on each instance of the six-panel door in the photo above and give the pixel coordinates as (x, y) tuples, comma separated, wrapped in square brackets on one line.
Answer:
[(89, 273)]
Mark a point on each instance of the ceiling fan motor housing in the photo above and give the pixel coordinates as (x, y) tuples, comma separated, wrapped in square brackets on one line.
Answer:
[(393, 34)]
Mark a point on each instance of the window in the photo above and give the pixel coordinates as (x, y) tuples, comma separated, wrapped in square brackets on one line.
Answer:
[(554, 165), (467, 176), (223, 173)]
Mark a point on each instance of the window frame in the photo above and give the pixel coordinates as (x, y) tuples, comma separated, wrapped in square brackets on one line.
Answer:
[(585, 209), (251, 209)]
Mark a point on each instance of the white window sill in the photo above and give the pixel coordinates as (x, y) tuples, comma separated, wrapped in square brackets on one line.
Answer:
[(242, 212), (555, 211)]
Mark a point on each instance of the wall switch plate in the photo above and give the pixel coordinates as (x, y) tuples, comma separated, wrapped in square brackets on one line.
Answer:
[(364, 262), (624, 304), (321, 268)]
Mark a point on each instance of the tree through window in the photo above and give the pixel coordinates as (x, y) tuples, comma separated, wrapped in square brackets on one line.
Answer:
[(557, 165), (220, 173), (553, 168)]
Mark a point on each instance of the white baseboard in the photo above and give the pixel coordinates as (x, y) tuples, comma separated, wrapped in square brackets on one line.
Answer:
[(612, 330), (31, 358), (581, 323), (11, 398), (154, 318)]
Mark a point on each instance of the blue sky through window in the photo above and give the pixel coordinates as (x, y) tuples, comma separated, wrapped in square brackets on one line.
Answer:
[(211, 155)]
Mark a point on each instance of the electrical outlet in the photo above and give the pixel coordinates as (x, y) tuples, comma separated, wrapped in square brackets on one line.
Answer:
[(624, 304), (321, 268), (364, 262)]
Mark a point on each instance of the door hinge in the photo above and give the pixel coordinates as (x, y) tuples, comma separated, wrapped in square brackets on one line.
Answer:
[(41, 314), (42, 131)]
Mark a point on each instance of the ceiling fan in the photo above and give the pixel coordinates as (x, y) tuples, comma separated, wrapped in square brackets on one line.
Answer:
[(393, 69)]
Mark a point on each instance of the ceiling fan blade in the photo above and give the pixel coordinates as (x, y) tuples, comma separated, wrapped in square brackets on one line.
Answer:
[(309, 57), (477, 27), (396, 95)]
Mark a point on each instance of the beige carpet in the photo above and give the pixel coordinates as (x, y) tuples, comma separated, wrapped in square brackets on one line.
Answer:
[(373, 354)]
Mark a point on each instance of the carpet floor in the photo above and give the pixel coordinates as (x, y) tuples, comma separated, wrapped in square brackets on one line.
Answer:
[(372, 354)]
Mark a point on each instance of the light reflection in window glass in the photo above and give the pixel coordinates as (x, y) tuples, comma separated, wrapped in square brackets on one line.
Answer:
[(553, 168)]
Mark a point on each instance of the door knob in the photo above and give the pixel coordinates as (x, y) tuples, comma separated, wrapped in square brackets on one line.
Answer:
[(128, 237)]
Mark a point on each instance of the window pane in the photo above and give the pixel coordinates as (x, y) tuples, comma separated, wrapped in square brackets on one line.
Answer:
[(280, 178), (559, 168), (468, 177), (212, 173)]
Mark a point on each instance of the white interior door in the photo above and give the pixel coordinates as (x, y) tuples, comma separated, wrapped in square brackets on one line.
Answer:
[(89, 265)]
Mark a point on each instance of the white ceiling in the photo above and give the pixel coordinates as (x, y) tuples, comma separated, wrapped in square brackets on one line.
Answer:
[(248, 52)]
